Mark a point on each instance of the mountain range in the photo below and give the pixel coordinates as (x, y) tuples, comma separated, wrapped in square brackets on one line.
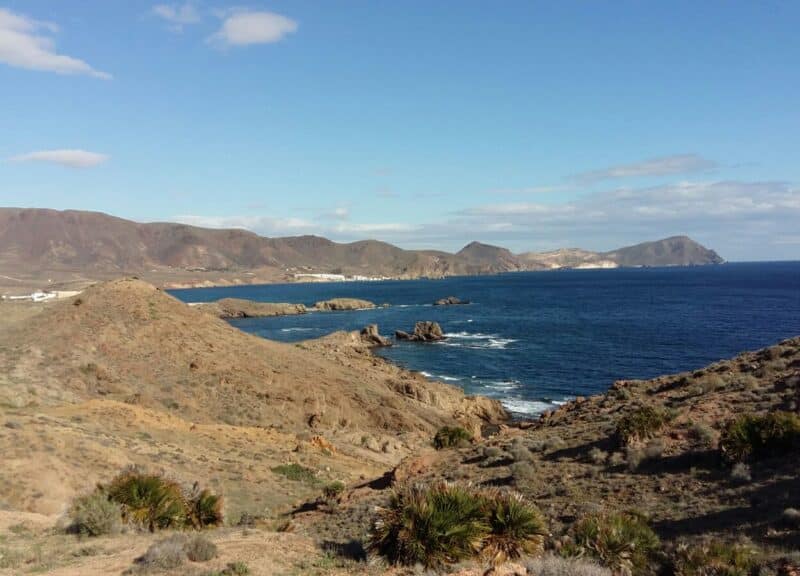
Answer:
[(41, 241)]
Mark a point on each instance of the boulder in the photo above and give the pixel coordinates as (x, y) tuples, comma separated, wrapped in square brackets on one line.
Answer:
[(370, 335), (450, 301), (423, 332)]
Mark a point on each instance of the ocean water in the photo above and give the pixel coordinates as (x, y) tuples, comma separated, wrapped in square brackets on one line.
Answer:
[(535, 339)]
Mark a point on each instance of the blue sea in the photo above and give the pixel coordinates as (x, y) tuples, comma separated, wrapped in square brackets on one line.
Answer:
[(535, 339)]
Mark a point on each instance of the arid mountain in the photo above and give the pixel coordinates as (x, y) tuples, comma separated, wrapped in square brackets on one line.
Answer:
[(41, 243), (673, 251)]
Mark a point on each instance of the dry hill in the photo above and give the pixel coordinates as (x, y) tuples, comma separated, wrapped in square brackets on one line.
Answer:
[(74, 246), (126, 356)]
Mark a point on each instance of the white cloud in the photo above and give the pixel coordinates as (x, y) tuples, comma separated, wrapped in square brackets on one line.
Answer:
[(676, 164), (741, 220), (265, 225), (64, 157), (243, 28), (177, 15), (26, 43)]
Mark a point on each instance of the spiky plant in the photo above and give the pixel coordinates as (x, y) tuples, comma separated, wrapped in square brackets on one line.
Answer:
[(640, 424), (451, 437), (714, 558), (516, 527), (622, 541), (430, 525), (149, 501), (753, 437), (205, 509)]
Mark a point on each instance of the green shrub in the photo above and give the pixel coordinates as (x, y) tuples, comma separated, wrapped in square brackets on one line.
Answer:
[(430, 525), (333, 490), (444, 523), (205, 509), (296, 472), (149, 500), (753, 437), (451, 437), (640, 424), (95, 515), (714, 559), (515, 527), (621, 541), (200, 549)]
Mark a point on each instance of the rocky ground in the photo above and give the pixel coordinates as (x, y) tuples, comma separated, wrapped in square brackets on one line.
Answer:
[(124, 374)]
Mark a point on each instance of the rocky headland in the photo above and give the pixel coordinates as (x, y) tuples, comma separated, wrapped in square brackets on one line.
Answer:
[(304, 441)]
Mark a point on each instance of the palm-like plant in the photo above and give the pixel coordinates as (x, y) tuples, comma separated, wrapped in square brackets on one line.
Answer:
[(433, 526), (516, 527), (206, 509), (149, 500)]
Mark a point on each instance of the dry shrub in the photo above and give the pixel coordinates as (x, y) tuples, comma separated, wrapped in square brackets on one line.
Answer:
[(95, 515), (556, 566)]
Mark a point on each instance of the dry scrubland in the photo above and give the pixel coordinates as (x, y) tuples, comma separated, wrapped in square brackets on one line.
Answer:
[(306, 443)]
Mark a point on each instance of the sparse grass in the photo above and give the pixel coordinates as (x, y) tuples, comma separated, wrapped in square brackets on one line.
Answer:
[(621, 541), (754, 437), (598, 456), (200, 549), (296, 472), (740, 473), (714, 559), (440, 524), (641, 424), (702, 433), (556, 566), (166, 554), (232, 569), (95, 515), (451, 437)]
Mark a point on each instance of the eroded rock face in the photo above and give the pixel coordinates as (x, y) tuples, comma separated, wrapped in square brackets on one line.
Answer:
[(370, 335), (344, 304), (239, 308), (423, 332), (450, 301)]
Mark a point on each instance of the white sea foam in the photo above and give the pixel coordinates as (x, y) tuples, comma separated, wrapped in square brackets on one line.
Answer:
[(470, 335), (440, 377), (297, 329), (519, 406), (503, 385)]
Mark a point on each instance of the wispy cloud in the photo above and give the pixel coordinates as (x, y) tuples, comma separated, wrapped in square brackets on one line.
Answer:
[(243, 28), (28, 43), (64, 157), (177, 15), (742, 220), (265, 225), (663, 166)]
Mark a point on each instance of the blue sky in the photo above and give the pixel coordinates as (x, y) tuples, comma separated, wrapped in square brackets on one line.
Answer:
[(428, 124)]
